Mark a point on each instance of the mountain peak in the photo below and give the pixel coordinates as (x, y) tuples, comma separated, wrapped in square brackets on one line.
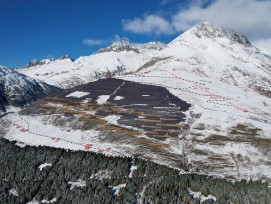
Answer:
[(120, 43), (210, 31), (36, 62), (154, 45), (66, 57), (118, 46)]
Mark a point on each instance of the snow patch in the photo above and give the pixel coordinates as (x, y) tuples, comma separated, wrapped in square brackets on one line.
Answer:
[(33, 202), (44, 165), (13, 192), (49, 201), (116, 189), (117, 98), (87, 100), (78, 94), (102, 174), (133, 167), (200, 196), (103, 99), (78, 183), (112, 119), (55, 105)]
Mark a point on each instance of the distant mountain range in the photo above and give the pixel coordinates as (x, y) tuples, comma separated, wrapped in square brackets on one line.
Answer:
[(205, 50), (117, 58)]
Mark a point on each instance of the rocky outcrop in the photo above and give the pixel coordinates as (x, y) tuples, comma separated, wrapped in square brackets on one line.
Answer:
[(211, 31), (66, 57), (123, 45), (118, 46), (37, 62)]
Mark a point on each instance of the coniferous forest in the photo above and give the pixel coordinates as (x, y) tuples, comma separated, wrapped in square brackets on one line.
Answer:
[(86, 177)]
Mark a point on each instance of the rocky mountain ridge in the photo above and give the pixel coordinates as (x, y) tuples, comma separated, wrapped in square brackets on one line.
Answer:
[(17, 89), (37, 62), (117, 58), (118, 46)]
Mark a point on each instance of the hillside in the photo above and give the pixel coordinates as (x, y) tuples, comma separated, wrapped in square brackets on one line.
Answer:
[(17, 89), (200, 104)]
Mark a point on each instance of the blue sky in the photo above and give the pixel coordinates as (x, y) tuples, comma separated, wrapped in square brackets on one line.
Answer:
[(50, 28), (36, 29)]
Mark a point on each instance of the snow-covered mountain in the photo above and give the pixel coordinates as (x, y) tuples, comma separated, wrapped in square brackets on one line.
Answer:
[(224, 80), (119, 46), (17, 89), (116, 58), (212, 52), (36, 62), (205, 50)]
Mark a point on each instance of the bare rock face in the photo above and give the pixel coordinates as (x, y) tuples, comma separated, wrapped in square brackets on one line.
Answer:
[(122, 45), (65, 57), (36, 62)]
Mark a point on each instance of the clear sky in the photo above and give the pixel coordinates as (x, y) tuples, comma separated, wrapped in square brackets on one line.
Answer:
[(36, 29), (32, 29)]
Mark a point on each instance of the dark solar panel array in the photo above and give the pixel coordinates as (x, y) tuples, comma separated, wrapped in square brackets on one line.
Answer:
[(151, 108)]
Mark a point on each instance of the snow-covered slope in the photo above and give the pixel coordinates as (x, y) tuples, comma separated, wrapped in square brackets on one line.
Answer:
[(118, 57), (205, 50), (17, 89), (228, 81), (36, 62), (209, 51)]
